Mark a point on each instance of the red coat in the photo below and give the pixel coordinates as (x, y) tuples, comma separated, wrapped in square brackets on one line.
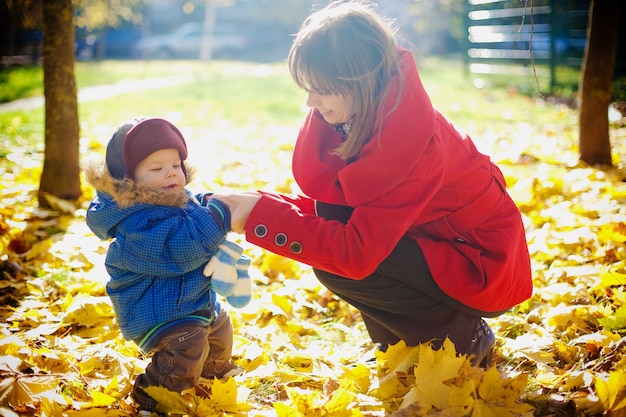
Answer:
[(422, 179)]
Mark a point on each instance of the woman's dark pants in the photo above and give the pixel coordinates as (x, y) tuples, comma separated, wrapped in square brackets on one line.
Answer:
[(401, 301)]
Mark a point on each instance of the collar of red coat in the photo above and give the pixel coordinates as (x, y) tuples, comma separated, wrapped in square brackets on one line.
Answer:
[(384, 161)]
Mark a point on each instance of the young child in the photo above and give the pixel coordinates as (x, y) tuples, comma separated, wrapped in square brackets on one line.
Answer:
[(163, 237)]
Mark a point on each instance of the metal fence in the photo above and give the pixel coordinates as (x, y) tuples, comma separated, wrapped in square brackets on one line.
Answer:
[(525, 37)]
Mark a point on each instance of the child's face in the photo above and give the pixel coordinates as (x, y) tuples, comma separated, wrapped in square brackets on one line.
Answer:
[(161, 169)]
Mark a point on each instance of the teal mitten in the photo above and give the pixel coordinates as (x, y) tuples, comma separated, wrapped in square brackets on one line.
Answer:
[(242, 293), (221, 268)]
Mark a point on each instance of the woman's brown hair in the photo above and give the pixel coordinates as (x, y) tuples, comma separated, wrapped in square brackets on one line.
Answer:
[(348, 49)]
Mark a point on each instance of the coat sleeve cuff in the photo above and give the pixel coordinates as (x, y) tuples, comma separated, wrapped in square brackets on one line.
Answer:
[(220, 213)]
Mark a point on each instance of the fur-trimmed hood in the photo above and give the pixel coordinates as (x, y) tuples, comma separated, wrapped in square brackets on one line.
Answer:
[(126, 192), (154, 233)]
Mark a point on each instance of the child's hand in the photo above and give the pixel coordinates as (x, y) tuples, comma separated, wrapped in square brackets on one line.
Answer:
[(222, 268)]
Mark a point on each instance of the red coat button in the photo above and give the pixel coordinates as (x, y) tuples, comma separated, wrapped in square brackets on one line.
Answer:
[(260, 230), (295, 247)]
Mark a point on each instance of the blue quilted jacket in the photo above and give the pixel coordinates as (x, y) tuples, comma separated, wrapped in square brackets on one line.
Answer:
[(161, 242)]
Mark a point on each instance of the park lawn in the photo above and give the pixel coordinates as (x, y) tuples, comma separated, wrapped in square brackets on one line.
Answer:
[(304, 351)]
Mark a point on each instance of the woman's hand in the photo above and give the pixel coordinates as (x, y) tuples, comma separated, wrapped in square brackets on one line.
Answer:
[(240, 205)]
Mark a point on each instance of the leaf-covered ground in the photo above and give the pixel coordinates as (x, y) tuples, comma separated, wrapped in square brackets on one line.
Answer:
[(306, 353)]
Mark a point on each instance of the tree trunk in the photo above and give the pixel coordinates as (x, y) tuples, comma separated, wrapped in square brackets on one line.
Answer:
[(595, 84), (208, 27), (61, 173)]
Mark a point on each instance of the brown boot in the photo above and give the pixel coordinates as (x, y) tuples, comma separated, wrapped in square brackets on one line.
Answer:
[(481, 347)]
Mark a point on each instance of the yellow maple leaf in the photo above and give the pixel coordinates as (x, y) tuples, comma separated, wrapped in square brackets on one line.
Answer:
[(461, 399), (26, 389), (97, 412), (256, 362), (10, 345), (100, 399), (433, 369), (359, 377), (88, 311), (612, 391), (204, 407), (339, 403), (275, 265), (113, 387), (612, 276), (167, 400), (499, 397), (412, 399), (306, 403), (612, 232), (397, 358), (564, 316), (103, 360), (300, 363), (314, 404), (283, 410), (225, 396), (51, 408), (283, 302)]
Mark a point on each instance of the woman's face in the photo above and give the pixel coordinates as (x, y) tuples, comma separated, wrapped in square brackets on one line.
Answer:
[(334, 107), (161, 169)]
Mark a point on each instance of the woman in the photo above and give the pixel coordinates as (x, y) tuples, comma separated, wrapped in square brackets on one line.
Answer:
[(402, 217)]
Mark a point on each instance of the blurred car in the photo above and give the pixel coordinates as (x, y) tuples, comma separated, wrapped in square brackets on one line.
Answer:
[(186, 41), (111, 43)]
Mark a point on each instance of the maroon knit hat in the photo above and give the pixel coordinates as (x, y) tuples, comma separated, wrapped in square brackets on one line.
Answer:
[(148, 136)]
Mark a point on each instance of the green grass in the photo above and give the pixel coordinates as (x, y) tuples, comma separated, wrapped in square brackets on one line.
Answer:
[(230, 91), (20, 82), (497, 105), (234, 101)]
